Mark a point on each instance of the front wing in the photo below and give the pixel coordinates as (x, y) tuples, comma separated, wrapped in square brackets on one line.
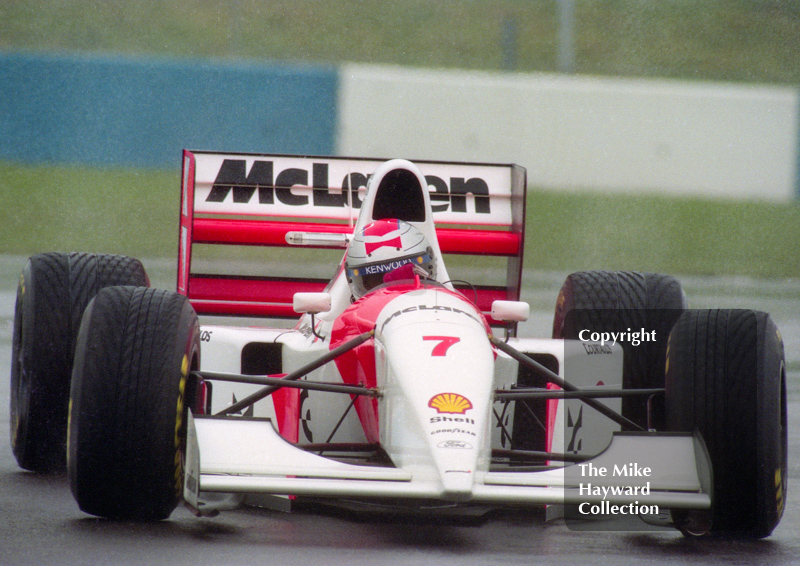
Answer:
[(236, 455)]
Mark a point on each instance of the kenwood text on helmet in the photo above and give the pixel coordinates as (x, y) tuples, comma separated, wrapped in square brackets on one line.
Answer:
[(382, 247)]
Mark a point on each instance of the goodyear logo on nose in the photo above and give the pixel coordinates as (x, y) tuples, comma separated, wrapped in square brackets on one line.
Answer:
[(452, 403)]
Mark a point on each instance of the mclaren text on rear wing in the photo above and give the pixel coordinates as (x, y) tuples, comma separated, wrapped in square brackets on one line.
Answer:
[(294, 204)]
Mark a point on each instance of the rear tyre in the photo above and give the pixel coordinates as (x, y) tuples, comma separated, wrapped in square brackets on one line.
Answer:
[(128, 409), (726, 378), (53, 292), (618, 301)]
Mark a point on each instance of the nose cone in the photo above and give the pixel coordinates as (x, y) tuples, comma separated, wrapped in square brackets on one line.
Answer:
[(440, 371), (458, 485), (456, 435)]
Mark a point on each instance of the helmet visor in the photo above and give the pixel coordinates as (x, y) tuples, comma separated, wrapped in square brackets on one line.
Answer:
[(367, 277)]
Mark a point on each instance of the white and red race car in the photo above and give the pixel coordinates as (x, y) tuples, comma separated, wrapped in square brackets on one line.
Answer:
[(401, 385)]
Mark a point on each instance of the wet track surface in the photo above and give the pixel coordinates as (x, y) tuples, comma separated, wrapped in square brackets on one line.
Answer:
[(41, 524)]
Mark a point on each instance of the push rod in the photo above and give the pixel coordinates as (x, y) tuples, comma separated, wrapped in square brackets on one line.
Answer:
[(281, 382), (539, 455), (538, 393)]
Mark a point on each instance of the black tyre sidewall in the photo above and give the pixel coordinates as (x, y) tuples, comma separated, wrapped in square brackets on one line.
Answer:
[(726, 378), (39, 370), (127, 429), (772, 433)]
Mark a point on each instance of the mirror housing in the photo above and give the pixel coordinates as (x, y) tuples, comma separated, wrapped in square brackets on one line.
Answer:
[(311, 302), (510, 311)]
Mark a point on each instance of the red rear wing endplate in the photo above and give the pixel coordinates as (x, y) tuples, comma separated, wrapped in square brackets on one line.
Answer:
[(265, 200)]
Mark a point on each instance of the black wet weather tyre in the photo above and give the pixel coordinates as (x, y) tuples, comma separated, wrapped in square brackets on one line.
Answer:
[(128, 409), (53, 292), (726, 378), (621, 301)]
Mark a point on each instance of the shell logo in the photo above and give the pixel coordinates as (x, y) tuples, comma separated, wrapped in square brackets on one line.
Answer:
[(450, 403)]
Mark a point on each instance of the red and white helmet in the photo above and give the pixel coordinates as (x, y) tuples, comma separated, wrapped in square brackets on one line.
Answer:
[(382, 247)]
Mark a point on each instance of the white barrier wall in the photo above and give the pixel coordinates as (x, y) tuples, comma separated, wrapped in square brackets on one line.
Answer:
[(706, 139)]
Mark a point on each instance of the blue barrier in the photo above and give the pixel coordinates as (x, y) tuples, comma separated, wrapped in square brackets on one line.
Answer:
[(113, 110)]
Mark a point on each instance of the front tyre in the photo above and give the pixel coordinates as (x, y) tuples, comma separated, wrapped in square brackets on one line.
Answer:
[(726, 378), (128, 409)]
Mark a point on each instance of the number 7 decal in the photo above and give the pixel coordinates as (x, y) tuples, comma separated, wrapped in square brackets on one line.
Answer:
[(444, 344)]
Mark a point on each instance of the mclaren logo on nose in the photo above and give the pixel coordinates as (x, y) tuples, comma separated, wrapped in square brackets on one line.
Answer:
[(452, 403)]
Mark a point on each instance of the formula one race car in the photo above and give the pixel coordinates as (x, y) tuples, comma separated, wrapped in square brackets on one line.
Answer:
[(401, 385)]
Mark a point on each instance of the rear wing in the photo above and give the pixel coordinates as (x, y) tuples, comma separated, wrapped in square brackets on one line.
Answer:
[(296, 205)]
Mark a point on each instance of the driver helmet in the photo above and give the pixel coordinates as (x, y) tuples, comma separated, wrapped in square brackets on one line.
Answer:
[(383, 247)]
